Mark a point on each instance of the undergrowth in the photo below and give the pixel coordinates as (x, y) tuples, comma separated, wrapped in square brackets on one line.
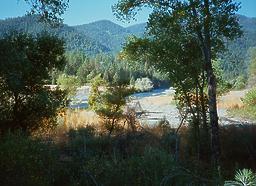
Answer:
[(147, 156)]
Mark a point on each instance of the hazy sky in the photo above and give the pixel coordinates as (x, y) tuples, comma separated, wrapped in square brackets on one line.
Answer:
[(85, 11)]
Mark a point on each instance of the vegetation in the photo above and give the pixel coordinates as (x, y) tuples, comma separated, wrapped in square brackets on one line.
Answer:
[(203, 24), (25, 65), (108, 67), (68, 83), (143, 85), (243, 177), (248, 110), (89, 38), (145, 156), (236, 60), (184, 45), (109, 102)]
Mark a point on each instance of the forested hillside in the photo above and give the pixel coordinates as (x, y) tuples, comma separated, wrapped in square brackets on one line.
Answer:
[(110, 34), (74, 39), (236, 59), (98, 37), (107, 37)]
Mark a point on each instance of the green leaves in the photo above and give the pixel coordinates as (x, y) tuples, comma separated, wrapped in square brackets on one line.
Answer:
[(49, 10), (243, 177), (25, 64)]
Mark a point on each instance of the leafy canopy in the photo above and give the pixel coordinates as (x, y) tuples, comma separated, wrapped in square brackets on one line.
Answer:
[(25, 65)]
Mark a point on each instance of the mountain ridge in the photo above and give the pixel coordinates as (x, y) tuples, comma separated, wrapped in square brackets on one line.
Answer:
[(101, 36), (104, 36)]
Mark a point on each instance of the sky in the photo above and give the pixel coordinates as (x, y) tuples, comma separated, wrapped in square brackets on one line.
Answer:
[(86, 11)]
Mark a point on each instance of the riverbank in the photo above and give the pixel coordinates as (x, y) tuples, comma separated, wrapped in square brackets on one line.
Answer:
[(156, 105)]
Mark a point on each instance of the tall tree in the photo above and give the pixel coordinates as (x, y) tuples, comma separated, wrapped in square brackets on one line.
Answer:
[(211, 21), (49, 10), (25, 65)]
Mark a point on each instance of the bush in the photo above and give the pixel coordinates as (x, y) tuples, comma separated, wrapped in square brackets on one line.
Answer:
[(24, 161), (250, 98), (238, 148), (68, 83), (143, 84), (240, 83), (243, 177)]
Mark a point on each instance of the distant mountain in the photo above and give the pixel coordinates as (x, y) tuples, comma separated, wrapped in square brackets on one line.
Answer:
[(74, 39), (138, 29), (235, 60), (98, 37), (248, 24), (110, 34)]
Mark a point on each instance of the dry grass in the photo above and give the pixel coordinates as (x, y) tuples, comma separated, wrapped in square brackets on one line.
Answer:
[(79, 118), (159, 100), (232, 100), (67, 120)]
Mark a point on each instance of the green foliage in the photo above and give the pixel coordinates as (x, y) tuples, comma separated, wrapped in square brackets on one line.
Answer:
[(143, 84), (223, 86), (108, 103), (242, 178), (248, 111), (144, 157), (109, 34), (236, 59), (115, 70), (138, 158), (74, 39), (95, 92), (74, 61), (91, 39), (26, 161), (184, 38), (252, 67), (25, 65), (250, 98), (50, 10), (240, 83), (68, 84)]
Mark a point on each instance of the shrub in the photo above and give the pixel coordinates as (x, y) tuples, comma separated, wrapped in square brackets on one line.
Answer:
[(238, 147), (240, 83), (143, 84), (68, 83), (25, 161), (243, 178), (250, 98)]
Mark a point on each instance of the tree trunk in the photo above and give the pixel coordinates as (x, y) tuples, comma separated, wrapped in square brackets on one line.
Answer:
[(203, 32), (215, 143)]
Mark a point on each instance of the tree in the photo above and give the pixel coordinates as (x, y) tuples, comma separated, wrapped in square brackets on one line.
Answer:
[(143, 84), (108, 104), (252, 66), (49, 10), (209, 21), (25, 64), (178, 56), (74, 61), (68, 83)]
